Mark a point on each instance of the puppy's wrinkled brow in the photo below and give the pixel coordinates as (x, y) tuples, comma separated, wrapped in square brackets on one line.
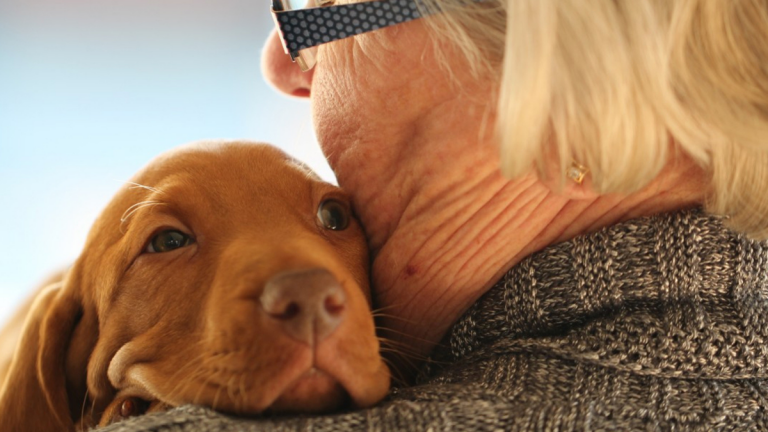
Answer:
[(130, 211)]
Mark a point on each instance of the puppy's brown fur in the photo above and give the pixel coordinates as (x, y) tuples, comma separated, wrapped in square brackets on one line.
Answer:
[(188, 325)]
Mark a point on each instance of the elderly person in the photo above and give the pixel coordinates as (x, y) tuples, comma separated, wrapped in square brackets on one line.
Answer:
[(564, 202)]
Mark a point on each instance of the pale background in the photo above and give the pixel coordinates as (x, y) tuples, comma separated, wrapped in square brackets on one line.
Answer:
[(91, 90)]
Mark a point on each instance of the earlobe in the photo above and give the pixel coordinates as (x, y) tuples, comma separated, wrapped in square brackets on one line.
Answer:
[(565, 176), (575, 184), (579, 191)]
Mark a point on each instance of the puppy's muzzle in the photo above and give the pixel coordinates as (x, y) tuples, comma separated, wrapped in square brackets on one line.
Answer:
[(308, 305)]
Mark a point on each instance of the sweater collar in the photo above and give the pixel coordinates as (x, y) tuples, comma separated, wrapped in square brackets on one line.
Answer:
[(675, 295)]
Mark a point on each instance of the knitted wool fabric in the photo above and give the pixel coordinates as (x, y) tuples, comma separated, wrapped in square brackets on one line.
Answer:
[(658, 323)]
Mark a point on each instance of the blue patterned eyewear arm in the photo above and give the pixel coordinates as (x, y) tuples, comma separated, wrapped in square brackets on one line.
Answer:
[(305, 28)]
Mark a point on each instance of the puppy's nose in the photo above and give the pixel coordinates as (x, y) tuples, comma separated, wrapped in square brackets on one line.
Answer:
[(308, 304)]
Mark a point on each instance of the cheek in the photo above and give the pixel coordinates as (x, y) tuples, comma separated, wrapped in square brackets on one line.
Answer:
[(340, 111), (364, 88), (159, 289)]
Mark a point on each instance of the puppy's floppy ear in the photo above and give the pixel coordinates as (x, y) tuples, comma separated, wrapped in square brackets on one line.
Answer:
[(24, 404), (41, 392)]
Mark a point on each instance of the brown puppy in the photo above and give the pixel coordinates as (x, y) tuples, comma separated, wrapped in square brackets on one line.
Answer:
[(227, 275)]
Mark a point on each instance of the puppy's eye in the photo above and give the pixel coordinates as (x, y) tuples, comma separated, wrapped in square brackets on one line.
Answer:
[(168, 240), (132, 407), (333, 215), (122, 409)]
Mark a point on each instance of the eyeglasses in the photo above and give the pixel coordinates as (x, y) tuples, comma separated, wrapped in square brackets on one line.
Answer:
[(305, 24)]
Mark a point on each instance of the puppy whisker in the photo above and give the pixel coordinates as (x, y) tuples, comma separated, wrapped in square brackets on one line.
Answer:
[(404, 354), (230, 391), (394, 374), (403, 348), (179, 382), (397, 373), (191, 379), (130, 211), (382, 309), (93, 409), (216, 396), (200, 371), (402, 335), (135, 185), (241, 386), (410, 358), (82, 410), (393, 317)]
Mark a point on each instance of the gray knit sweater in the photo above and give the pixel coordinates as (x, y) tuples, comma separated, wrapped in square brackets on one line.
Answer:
[(659, 323)]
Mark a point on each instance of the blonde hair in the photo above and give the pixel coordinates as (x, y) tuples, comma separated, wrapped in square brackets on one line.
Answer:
[(608, 83)]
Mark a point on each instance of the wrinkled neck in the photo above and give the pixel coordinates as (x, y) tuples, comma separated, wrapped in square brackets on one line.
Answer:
[(443, 224)]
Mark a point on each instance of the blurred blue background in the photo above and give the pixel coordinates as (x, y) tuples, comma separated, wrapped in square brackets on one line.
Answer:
[(91, 90)]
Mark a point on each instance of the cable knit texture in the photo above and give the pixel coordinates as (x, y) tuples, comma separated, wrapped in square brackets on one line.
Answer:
[(654, 324)]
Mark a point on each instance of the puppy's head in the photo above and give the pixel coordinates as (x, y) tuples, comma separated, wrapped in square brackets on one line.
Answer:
[(226, 275)]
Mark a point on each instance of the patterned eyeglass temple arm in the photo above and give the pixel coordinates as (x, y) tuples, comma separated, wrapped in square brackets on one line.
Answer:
[(305, 28)]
